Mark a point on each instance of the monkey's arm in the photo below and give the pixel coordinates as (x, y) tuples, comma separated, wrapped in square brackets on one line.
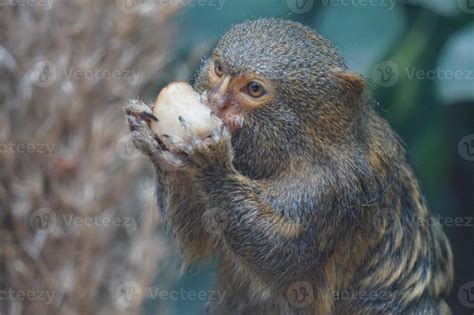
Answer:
[(252, 231), (262, 237), (179, 202)]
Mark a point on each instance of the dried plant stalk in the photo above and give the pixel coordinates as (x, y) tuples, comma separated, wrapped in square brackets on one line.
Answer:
[(76, 221)]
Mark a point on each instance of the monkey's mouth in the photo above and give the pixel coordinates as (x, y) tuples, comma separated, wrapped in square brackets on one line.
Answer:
[(233, 121), (231, 115)]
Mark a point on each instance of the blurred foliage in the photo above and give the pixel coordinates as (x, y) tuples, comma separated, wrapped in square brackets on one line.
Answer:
[(424, 41)]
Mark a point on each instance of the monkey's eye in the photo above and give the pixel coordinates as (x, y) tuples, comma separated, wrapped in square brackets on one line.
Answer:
[(255, 89), (218, 69)]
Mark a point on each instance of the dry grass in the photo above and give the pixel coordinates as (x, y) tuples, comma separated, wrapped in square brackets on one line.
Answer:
[(86, 174)]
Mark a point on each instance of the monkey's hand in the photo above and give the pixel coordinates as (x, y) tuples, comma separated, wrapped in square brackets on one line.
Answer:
[(179, 202), (203, 157), (139, 116)]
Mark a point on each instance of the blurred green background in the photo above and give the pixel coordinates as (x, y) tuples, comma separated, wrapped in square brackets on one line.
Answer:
[(418, 57)]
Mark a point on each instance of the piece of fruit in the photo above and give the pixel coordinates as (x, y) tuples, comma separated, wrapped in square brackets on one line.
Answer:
[(177, 100)]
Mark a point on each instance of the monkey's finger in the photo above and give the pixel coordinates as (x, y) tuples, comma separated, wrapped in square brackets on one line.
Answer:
[(175, 144), (186, 126), (135, 123), (139, 109), (225, 132), (222, 133), (217, 129), (169, 161), (215, 121), (135, 106), (145, 142), (195, 140)]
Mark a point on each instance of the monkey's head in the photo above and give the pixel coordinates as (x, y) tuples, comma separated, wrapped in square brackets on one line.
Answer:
[(280, 88)]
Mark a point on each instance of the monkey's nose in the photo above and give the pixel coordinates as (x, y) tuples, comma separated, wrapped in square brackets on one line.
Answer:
[(217, 102), (217, 96)]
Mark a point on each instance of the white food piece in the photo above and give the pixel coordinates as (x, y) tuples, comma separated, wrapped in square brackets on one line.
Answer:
[(179, 99)]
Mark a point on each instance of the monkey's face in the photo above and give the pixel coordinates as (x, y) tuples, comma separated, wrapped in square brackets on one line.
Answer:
[(267, 80), (266, 70), (233, 96)]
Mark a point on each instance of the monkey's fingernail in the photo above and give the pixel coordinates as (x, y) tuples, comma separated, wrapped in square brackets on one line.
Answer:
[(132, 121), (208, 141), (150, 116), (171, 158), (239, 122), (215, 119), (225, 131), (184, 123)]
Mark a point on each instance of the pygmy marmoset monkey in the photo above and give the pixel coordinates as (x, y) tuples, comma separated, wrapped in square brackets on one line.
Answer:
[(319, 211)]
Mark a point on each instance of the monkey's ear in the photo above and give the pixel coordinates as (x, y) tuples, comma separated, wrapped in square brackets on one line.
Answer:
[(350, 80)]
